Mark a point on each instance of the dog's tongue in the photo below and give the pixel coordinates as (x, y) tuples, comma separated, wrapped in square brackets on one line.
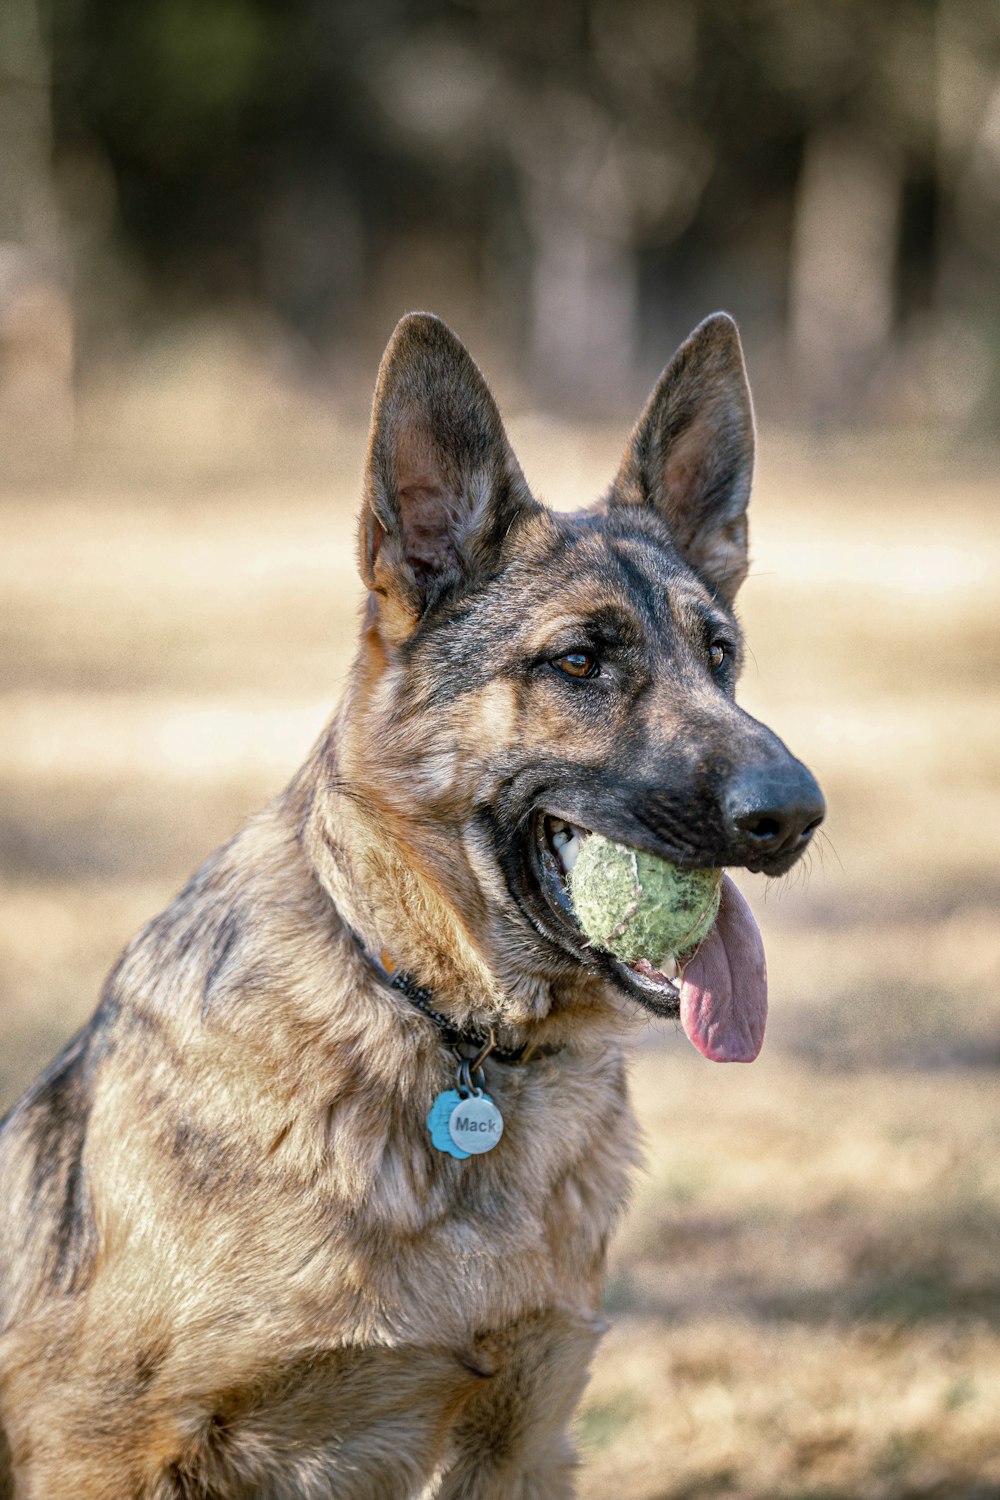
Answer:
[(724, 989)]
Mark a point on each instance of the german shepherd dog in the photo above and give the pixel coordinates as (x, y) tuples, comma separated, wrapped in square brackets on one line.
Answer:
[(233, 1261)]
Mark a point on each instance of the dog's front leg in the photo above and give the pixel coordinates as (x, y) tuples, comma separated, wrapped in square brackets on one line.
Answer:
[(512, 1441), (60, 1459), (485, 1479), (69, 1426)]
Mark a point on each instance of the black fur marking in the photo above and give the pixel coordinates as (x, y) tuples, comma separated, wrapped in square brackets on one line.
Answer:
[(223, 943), (57, 1114), (148, 1362), (207, 1162), (641, 587)]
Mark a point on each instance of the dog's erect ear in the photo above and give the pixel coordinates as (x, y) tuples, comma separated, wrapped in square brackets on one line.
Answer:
[(442, 485), (691, 454)]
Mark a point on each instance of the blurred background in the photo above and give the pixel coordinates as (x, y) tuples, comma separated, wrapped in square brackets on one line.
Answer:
[(212, 212)]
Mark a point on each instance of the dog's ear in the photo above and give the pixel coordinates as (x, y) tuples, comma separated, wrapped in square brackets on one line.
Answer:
[(691, 454), (442, 485)]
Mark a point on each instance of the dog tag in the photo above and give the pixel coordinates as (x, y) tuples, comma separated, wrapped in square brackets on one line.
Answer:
[(464, 1125), (475, 1125), (437, 1123)]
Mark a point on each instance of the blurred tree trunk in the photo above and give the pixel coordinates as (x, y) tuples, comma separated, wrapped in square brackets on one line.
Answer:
[(843, 272), (583, 295), (36, 327), (963, 362), (583, 311)]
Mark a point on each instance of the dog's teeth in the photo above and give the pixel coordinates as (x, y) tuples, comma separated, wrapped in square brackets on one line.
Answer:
[(567, 844)]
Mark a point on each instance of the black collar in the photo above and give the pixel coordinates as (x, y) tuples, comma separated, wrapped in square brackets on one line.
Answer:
[(483, 1043)]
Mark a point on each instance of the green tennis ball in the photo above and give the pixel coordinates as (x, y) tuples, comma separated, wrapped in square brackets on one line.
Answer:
[(637, 906)]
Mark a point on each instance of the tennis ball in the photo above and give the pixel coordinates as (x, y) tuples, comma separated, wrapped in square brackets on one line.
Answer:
[(638, 906)]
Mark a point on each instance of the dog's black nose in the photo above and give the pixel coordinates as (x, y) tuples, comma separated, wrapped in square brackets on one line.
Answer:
[(776, 809)]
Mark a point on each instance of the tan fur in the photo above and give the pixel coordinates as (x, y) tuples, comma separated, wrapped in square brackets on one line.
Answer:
[(233, 1265), (330, 1256)]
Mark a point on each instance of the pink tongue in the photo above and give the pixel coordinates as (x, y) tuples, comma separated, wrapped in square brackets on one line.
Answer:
[(724, 989)]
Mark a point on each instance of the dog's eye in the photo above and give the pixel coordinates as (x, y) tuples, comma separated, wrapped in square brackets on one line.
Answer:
[(576, 664), (717, 653)]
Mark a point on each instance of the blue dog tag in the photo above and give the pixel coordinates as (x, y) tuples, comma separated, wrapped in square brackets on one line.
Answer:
[(437, 1123), (464, 1125)]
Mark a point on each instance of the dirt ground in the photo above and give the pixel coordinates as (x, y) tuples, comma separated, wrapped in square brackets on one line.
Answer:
[(805, 1297)]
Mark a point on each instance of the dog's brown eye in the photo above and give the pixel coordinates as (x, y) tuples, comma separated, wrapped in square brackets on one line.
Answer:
[(717, 654), (576, 664)]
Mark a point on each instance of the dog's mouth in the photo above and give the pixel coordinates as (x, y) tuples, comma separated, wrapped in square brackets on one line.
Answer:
[(718, 991), (559, 842)]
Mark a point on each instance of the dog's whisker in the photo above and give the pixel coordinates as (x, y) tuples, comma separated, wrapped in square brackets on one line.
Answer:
[(824, 845)]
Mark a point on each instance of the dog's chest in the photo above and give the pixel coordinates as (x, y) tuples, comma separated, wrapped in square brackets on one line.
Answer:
[(454, 1303), (451, 1247), (402, 1422)]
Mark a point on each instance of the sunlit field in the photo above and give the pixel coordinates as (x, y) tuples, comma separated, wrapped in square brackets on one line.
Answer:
[(805, 1296)]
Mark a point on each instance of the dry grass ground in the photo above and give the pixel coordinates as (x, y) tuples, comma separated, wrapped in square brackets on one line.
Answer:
[(806, 1295)]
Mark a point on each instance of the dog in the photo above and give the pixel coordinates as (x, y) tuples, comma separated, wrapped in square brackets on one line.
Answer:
[(235, 1259)]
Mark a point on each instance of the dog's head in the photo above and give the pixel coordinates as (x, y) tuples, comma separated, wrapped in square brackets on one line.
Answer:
[(528, 677)]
